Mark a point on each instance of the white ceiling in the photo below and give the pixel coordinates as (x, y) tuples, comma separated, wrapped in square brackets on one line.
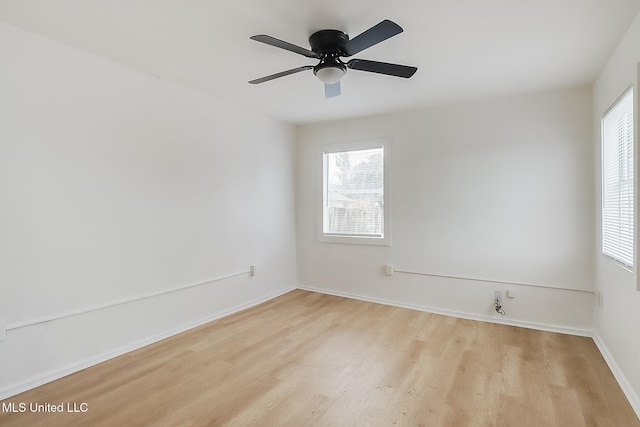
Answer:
[(464, 49)]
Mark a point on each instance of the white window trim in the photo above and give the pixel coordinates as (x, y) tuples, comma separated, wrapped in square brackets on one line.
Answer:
[(615, 260), (636, 162), (352, 146)]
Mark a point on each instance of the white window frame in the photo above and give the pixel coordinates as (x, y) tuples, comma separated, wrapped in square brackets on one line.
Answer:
[(385, 240), (613, 245)]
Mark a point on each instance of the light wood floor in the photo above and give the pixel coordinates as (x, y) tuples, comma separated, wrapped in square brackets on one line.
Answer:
[(308, 359)]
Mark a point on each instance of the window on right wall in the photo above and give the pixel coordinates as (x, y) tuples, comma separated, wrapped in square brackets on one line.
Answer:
[(617, 181)]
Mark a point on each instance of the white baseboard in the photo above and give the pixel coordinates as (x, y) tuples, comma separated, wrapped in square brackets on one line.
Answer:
[(31, 383), (625, 385), (458, 314)]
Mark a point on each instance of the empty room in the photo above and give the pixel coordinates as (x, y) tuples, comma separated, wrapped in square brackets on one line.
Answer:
[(319, 213)]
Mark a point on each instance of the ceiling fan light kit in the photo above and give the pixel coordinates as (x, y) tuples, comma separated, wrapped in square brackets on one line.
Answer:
[(328, 46), (329, 74)]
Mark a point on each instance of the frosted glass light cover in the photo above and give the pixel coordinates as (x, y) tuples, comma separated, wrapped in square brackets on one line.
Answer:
[(330, 75)]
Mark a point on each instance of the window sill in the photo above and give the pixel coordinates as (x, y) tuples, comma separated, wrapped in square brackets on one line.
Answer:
[(371, 241)]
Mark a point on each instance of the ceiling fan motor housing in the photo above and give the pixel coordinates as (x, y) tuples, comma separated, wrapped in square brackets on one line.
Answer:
[(328, 42), (329, 45)]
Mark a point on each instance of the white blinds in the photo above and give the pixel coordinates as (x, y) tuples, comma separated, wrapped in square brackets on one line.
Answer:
[(617, 181), (354, 193)]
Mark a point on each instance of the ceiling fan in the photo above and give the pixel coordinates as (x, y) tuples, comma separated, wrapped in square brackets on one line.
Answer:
[(329, 45)]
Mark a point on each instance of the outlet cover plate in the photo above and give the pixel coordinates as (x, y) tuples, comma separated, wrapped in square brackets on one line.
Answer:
[(599, 299)]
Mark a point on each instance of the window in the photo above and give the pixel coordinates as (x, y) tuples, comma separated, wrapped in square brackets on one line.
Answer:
[(355, 206), (617, 181)]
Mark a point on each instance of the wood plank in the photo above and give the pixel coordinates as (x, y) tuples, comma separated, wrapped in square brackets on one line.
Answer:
[(311, 359)]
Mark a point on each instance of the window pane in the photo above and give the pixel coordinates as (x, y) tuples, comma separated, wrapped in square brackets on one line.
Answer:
[(354, 198)]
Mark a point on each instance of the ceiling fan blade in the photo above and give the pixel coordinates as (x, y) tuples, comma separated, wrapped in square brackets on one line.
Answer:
[(332, 90), (263, 38), (281, 74), (397, 70), (374, 35)]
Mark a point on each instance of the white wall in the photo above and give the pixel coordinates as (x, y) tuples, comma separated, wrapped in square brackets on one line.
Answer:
[(617, 322), (500, 190), (114, 184)]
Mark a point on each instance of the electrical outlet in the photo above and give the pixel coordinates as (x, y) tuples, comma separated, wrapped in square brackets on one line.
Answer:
[(252, 270), (497, 297), (389, 270), (497, 302), (3, 329), (599, 298)]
